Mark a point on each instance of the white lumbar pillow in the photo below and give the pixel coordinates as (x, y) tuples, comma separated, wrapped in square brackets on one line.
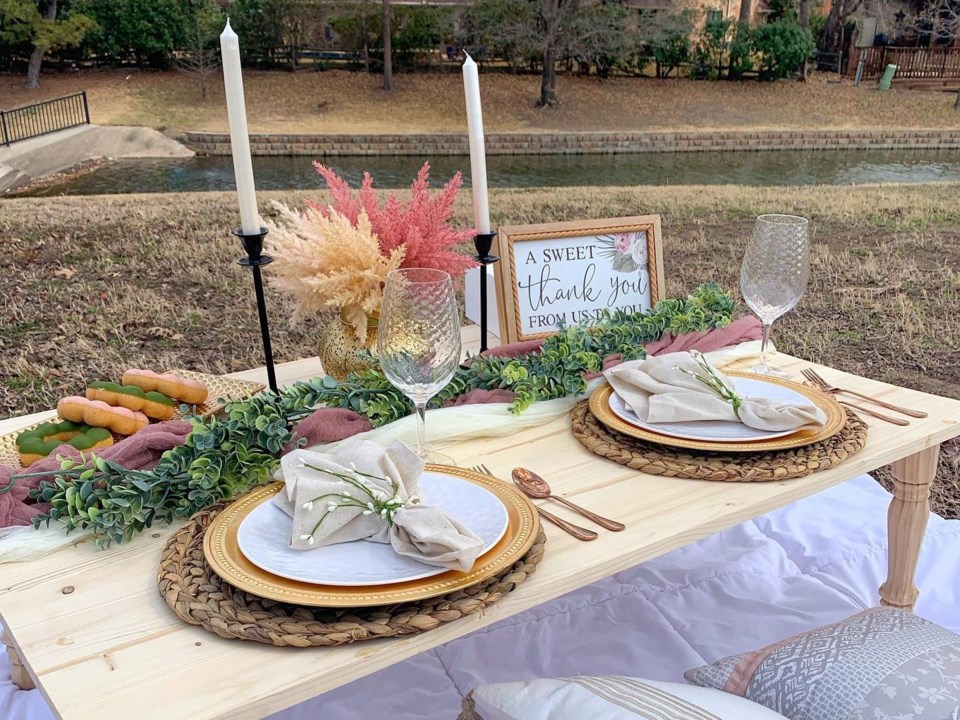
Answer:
[(611, 697)]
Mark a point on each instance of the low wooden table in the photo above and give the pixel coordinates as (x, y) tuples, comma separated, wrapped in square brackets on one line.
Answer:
[(91, 630)]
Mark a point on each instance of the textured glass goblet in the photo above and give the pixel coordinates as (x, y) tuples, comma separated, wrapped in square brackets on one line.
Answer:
[(418, 339), (774, 273)]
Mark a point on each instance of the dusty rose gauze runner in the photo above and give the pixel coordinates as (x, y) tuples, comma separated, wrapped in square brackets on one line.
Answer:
[(138, 452), (333, 424)]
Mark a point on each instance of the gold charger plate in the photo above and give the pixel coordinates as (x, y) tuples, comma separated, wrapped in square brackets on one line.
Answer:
[(223, 554), (220, 387), (836, 418)]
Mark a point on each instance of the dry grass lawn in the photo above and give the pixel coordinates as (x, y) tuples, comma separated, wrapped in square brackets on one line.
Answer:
[(92, 285), (347, 102)]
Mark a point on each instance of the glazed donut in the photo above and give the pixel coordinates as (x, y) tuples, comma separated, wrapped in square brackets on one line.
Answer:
[(39, 442), (97, 413), (191, 392), (152, 404)]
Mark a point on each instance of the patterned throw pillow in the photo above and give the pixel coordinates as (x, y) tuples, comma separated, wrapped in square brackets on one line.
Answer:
[(881, 664), (608, 697)]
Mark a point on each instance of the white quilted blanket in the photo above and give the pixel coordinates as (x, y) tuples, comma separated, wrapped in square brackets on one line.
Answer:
[(805, 565)]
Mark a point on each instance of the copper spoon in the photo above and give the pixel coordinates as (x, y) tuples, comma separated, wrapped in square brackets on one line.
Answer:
[(536, 487)]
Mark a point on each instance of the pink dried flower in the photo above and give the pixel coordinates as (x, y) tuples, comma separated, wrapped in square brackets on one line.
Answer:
[(421, 225), (623, 243)]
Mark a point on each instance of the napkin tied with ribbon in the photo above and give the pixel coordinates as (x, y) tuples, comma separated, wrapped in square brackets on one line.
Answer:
[(667, 389), (364, 491)]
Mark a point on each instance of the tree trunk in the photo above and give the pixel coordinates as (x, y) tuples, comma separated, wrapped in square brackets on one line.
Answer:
[(833, 27), (743, 27), (803, 15), (548, 81), (36, 57), (387, 50)]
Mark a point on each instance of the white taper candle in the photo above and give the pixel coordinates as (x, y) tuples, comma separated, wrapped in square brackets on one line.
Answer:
[(478, 158), (239, 136)]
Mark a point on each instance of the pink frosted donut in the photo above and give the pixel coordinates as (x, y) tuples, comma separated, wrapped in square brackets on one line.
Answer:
[(97, 413), (188, 391)]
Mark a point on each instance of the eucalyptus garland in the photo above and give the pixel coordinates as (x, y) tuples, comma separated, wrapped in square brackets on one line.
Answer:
[(226, 456)]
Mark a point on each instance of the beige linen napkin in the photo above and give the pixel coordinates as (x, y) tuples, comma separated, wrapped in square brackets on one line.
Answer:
[(663, 389), (363, 491)]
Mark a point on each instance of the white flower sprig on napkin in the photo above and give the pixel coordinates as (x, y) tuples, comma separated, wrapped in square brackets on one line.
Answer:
[(712, 380), (684, 387), (364, 491), (369, 500)]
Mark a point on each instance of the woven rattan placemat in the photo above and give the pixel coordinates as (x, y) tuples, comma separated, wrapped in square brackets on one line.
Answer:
[(656, 459), (200, 597)]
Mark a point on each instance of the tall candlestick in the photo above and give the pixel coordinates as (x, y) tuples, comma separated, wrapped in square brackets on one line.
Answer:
[(478, 158), (239, 136)]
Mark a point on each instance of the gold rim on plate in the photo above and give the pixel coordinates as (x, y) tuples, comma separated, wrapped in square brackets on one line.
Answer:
[(223, 554), (220, 388), (836, 419)]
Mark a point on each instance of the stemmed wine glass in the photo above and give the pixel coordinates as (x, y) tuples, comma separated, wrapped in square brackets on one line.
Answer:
[(418, 339), (774, 273)]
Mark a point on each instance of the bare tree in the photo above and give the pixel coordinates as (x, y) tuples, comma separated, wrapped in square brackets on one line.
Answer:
[(666, 33), (840, 12), (201, 62), (939, 20), (201, 58), (551, 31), (387, 46)]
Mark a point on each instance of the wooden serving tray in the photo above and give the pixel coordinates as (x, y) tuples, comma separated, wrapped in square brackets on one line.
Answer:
[(222, 389)]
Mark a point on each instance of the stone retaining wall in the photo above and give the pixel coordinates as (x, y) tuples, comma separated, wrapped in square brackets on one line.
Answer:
[(579, 143)]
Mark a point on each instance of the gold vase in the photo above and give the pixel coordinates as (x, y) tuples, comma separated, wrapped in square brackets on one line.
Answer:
[(341, 352)]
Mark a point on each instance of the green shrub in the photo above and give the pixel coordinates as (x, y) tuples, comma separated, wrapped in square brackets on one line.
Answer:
[(670, 53), (712, 51), (779, 48), (818, 21), (148, 29)]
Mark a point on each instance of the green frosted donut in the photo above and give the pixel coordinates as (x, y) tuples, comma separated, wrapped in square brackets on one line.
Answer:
[(45, 438), (132, 390)]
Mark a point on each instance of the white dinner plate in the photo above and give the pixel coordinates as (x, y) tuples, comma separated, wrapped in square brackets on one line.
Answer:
[(264, 537), (717, 430)]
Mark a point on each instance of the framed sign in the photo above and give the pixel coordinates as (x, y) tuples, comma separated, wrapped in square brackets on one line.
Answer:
[(572, 271)]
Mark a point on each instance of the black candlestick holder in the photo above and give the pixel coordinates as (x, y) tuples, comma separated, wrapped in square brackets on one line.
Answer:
[(255, 259), (483, 242)]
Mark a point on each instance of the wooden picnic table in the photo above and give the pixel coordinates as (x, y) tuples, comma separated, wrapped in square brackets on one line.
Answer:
[(110, 646)]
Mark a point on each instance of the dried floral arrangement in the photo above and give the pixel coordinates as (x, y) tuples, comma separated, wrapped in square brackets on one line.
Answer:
[(337, 256), (326, 262)]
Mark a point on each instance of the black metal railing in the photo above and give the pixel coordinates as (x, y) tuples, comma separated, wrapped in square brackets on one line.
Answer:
[(42, 118)]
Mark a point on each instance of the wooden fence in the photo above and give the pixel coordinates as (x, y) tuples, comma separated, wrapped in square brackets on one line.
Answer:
[(911, 62)]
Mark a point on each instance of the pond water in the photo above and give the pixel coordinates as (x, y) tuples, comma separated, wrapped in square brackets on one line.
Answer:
[(829, 167)]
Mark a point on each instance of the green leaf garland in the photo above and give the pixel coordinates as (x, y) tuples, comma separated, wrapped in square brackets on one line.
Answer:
[(226, 456)]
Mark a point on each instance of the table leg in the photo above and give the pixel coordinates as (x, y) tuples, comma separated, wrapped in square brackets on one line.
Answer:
[(906, 523), (18, 672)]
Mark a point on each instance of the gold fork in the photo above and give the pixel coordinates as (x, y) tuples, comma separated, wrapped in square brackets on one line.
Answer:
[(819, 383), (580, 533)]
